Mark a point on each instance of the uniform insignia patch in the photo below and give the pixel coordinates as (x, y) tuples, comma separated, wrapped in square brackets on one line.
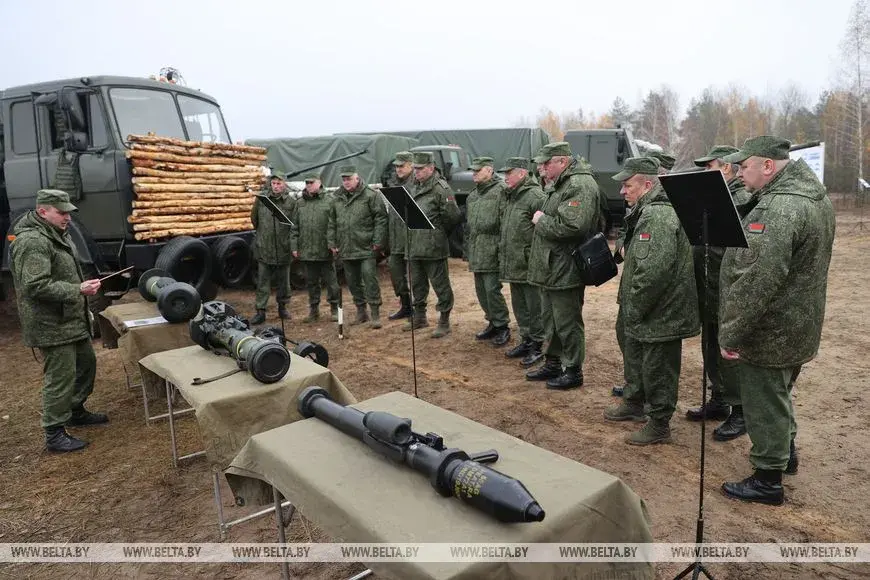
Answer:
[(756, 228), (450, 198), (643, 237), (573, 203)]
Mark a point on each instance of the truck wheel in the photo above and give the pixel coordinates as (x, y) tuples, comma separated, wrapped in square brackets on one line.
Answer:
[(231, 261), (188, 260)]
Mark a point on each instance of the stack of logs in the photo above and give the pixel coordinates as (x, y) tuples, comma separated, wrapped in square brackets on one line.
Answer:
[(188, 188)]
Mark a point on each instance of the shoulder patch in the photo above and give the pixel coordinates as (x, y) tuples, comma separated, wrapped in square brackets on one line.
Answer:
[(451, 198), (644, 237), (756, 227), (573, 203)]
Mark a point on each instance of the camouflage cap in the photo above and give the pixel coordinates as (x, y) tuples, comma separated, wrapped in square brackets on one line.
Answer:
[(516, 163), (480, 162), (638, 166), (403, 157), (666, 160), (550, 150), (766, 146), (423, 158), (277, 175), (55, 198), (311, 176), (717, 152), (347, 170)]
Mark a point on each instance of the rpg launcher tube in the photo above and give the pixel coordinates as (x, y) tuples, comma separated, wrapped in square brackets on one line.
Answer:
[(450, 471), (176, 301)]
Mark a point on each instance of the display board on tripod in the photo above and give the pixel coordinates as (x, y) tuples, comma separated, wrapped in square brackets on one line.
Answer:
[(407, 209), (276, 211)]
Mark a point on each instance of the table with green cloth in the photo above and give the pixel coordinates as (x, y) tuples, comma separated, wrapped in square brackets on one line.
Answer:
[(356, 495)]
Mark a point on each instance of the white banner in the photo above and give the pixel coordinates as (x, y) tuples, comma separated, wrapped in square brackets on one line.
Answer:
[(433, 552), (815, 158)]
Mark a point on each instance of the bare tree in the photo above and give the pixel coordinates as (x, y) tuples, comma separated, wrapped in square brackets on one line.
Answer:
[(855, 50)]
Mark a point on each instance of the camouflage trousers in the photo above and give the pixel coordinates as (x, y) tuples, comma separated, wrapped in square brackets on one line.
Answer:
[(620, 341), (318, 274), (562, 316), (711, 356), (526, 303), (436, 272), (266, 275), (399, 274), (491, 300), (652, 373), (68, 379), (767, 408), (362, 281)]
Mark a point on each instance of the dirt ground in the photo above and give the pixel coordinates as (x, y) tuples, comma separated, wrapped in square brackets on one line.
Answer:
[(123, 488)]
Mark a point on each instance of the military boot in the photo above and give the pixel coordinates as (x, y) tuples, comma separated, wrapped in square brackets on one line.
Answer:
[(283, 312), (259, 317), (655, 431), (57, 440), (534, 355), (502, 336), (313, 314), (716, 409), (625, 411), (443, 328), (519, 350), (733, 427), (551, 369), (362, 314), (792, 466), (333, 311), (416, 321), (376, 316), (82, 417), (763, 486), (571, 378), (487, 332), (405, 311)]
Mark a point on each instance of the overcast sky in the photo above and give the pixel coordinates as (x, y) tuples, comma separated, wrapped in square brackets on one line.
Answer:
[(290, 69)]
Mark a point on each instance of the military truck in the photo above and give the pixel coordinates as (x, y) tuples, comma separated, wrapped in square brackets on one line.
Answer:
[(90, 118)]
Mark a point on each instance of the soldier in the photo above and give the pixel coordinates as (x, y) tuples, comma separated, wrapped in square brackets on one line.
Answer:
[(271, 249), (720, 402), (310, 241), (658, 297), (360, 222), (429, 249), (569, 216), (53, 309), (398, 237), (523, 197), (483, 225), (772, 304)]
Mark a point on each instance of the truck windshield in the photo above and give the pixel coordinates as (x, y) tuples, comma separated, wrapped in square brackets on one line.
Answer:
[(203, 120), (140, 111)]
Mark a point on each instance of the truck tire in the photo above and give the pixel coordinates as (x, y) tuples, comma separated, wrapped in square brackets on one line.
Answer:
[(231, 258), (187, 259)]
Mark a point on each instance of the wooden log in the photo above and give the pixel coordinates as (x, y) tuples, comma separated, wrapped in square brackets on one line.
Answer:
[(192, 159), (253, 175), (190, 225), (152, 139), (192, 167), (250, 183), (160, 187), (175, 210), (186, 196), (197, 217), (212, 229), (176, 150), (185, 203)]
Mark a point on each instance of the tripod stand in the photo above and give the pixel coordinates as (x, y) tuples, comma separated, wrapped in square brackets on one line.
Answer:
[(708, 215)]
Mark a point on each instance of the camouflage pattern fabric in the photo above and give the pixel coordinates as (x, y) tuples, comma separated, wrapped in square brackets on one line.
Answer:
[(360, 222), (398, 231), (69, 371), (317, 272), (436, 200), (517, 229), (311, 234), (272, 240), (483, 225)]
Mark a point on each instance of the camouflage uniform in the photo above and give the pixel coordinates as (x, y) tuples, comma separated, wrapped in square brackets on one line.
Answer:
[(658, 299), (360, 223), (271, 249), (398, 234), (312, 238), (571, 214), (772, 307), (54, 313), (483, 230), (429, 249), (517, 230)]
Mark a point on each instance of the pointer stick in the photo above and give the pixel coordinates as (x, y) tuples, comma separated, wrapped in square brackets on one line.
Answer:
[(116, 273)]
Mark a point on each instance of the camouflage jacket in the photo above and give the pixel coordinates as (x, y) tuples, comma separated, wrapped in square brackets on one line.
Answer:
[(773, 292), (571, 215), (517, 229), (657, 291), (436, 200), (360, 222), (710, 293), (483, 225), (311, 235), (398, 229), (47, 277), (272, 240)]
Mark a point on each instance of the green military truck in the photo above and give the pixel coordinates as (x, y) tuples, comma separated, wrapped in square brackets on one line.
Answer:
[(89, 119)]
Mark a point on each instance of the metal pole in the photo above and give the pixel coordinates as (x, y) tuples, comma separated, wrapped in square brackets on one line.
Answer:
[(217, 501), (282, 538), (171, 423)]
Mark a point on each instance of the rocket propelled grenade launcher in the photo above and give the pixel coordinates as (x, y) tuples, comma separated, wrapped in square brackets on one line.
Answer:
[(450, 471)]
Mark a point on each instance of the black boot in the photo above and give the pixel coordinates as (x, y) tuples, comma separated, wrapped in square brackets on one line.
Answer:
[(519, 350), (764, 486), (551, 369), (733, 427), (792, 466), (502, 336), (82, 416), (405, 311), (716, 409), (571, 378), (487, 332), (57, 440), (535, 354), (282, 311), (259, 317)]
